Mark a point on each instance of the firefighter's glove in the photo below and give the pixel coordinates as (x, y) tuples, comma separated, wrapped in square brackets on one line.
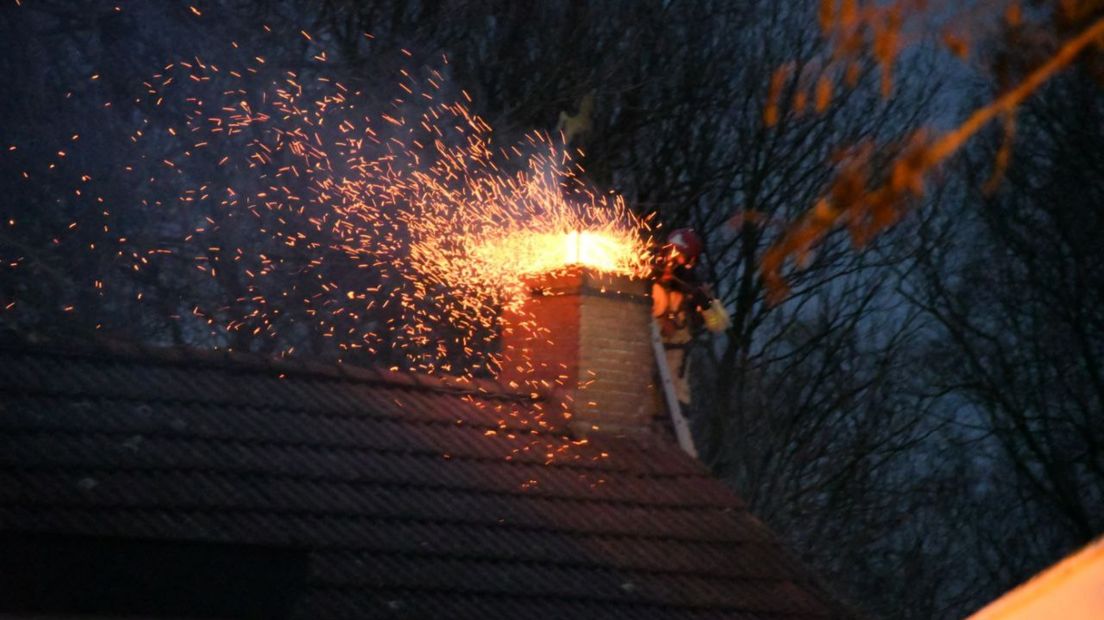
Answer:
[(716, 317)]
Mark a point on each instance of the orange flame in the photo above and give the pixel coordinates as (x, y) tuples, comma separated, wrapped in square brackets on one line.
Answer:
[(526, 253)]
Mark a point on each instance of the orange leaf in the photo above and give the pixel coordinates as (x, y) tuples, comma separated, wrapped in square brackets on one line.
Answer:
[(823, 94)]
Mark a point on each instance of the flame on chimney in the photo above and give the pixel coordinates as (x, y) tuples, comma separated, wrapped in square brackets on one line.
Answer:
[(528, 253)]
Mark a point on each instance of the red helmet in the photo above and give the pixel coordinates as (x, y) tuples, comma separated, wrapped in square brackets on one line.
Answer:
[(686, 241)]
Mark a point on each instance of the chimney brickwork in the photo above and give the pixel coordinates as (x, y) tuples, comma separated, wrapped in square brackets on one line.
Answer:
[(586, 337)]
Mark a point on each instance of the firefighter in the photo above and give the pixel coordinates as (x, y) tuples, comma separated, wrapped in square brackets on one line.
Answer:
[(683, 306)]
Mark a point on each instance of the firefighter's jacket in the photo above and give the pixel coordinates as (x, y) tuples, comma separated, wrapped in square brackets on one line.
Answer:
[(677, 304)]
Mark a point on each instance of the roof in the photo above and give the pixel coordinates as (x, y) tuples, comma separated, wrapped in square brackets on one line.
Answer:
[(411, 496)]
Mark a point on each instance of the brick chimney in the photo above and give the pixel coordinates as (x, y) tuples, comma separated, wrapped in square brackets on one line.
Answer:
[(586, 337)]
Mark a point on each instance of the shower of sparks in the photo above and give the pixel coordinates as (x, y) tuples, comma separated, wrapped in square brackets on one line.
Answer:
[(413, 228)]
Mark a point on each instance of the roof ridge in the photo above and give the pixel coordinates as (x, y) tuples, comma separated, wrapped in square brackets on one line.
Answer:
[(250, 361)]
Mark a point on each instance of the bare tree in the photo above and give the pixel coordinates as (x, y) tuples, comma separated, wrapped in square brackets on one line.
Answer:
[(1014, 285)]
